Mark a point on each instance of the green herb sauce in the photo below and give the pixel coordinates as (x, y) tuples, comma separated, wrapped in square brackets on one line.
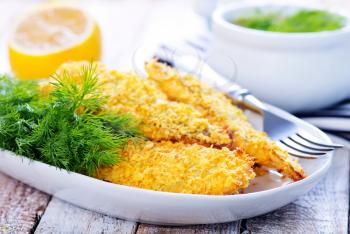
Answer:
[(301, 21)]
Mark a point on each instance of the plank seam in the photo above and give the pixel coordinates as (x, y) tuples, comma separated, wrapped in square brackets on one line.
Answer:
[(136, 228), (242, 225), (38, 217)]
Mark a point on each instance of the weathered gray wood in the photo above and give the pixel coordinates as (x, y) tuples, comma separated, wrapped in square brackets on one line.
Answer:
[(231, 228), (20, 206), (62, 217), (322, 210)]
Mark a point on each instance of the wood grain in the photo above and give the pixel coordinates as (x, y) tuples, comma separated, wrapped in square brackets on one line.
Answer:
[(323, 210), (20, 206), (62, 217), (231, 228)]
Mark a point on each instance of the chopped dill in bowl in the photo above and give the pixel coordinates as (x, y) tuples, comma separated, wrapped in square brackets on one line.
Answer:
[(300, 21)]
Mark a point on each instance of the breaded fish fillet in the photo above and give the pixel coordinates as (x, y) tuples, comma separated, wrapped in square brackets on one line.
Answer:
[(220, 111), (182, 168), (160, 118)]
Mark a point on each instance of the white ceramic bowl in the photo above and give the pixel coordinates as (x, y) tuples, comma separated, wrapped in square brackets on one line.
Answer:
[(149, 206), (294, 71)]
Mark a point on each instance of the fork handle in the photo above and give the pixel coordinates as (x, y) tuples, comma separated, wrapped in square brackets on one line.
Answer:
[(254, 104), (242, 97)]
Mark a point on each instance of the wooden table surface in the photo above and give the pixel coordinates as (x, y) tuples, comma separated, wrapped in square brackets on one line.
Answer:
[(127, 24)]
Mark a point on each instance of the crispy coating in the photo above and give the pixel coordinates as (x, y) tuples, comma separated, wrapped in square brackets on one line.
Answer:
[(159, 118), (182, 168), (220, 111), (172, 107)]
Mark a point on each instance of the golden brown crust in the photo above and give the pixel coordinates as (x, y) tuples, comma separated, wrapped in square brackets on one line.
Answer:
[(182, 168), (160, 118), (220, 111)]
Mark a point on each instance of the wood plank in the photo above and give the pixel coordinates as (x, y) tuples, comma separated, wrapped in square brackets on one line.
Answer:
[(62, 217), (322, 210), (231, 228), (20, 206)]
